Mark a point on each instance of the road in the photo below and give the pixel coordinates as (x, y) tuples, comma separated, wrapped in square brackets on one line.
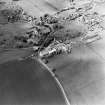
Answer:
[(82, 74), (27, 82)]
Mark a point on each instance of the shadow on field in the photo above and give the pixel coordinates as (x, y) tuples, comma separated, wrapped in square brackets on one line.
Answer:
[(28, 83)]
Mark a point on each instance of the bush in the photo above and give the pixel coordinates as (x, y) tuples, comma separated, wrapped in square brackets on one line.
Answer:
[(12, 14)]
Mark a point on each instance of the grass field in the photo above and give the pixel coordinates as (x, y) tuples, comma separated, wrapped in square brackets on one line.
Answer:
[(82, 74)]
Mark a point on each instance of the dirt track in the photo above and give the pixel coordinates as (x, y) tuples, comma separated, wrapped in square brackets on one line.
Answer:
[(82, 74)]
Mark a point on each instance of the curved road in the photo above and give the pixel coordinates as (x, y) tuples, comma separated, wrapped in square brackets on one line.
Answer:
[(27, 82)]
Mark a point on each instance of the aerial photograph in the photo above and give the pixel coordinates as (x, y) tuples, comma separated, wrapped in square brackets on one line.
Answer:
[(52, 52)]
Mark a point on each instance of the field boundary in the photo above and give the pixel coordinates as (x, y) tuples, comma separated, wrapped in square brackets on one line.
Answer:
[(57, 81)]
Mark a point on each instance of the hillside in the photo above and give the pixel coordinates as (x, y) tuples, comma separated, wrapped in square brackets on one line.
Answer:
[(24, 24)]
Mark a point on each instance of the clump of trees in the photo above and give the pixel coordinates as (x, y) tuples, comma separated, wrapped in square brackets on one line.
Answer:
[(61, 26), (15, 13), (48, 28)]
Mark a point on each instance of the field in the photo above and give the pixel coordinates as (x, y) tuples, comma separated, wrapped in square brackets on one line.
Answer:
[(82, 73)]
